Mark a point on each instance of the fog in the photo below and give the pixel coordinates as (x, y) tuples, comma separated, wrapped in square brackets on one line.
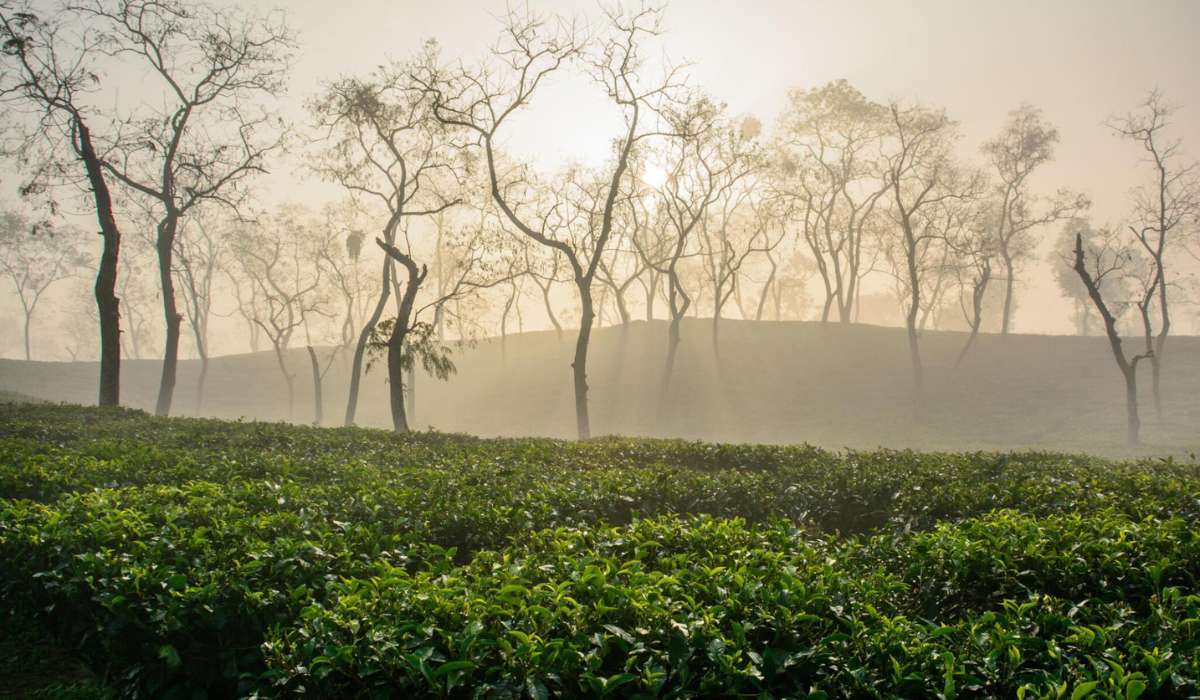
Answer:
[(849, 224)]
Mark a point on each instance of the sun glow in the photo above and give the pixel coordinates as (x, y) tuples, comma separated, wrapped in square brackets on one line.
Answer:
[(654, 175)]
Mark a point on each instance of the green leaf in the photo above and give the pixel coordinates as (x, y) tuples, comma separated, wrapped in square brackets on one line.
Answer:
[(168, 653), (1084, 689), (452, 666)]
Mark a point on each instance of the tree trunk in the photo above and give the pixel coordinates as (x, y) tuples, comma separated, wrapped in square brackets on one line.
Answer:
[(977, 294), (914, 310), (361, 346), (107, 303), (287, 378), (622, 307), (762, 299), (508, 303), (716, 340), (395, 365), (200, 382), (411, 394), (1128, 368), (579, 362), (651, 293), (318, 400), (673, 340), (558, 329), (678, 302), (28, 356), (166, 248), (400, 329), (1160, 342), (1006, 314), (1133, 422), (914, 351)]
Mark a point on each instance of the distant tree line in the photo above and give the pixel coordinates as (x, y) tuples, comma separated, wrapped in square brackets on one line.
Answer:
[(442, 237)]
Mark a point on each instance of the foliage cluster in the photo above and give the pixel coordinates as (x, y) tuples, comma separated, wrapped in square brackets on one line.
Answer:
[(248, 558)]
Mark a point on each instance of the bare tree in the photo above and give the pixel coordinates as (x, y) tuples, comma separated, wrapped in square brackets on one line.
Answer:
[(48, 74), (205, 141), (1062, 261), (922, 179), (545, 271), (137, 302), (1024, 144), (199, 256), (1171, 203), (384, 148), (1096, 261), (743, 224), (343, 258), (35, 256), (704, 159), (279, 261), (407, 338), (482, 103), (829, 143)]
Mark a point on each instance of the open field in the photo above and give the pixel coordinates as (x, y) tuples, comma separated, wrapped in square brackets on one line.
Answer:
[(176, 554), (829, 385)]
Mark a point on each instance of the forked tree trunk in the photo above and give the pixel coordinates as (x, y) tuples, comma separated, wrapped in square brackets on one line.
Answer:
[(1133, 422), (1128, 368), (360, 347), (977, 294)]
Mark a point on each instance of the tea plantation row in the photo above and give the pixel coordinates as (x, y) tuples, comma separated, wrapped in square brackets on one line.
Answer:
[(180, 556)]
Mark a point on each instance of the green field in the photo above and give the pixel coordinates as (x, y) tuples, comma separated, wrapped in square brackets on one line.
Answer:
[(171, 556)]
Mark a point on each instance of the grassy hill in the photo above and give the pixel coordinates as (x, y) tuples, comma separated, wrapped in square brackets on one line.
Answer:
[(777, 382)]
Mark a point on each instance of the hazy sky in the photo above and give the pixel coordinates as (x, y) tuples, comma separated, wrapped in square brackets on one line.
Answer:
[(1080, 61)]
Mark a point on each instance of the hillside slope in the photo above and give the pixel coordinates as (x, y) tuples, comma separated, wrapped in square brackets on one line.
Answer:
[(830, 385)]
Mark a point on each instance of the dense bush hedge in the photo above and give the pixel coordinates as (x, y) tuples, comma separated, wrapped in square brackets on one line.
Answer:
[(253, 558)]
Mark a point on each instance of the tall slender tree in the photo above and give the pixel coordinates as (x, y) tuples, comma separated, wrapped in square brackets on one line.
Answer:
[(483, 101), (384, 148), (206, 139), (1024, 144), (49, 74), (1160, 212)]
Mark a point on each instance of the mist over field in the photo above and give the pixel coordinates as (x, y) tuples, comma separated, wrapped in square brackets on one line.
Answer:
[(774, 349)]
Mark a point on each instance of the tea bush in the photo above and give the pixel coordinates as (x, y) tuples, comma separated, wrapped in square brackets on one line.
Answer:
[(249, 558)]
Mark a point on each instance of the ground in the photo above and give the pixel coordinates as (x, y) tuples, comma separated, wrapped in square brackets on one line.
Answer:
[(824, 384)]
